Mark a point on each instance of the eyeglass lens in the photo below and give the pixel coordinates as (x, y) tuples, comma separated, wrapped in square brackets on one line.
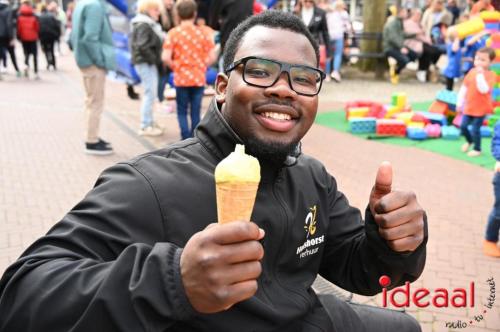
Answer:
[(264, 73)]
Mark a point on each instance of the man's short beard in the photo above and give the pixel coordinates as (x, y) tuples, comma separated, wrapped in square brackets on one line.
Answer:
[(271, 152)]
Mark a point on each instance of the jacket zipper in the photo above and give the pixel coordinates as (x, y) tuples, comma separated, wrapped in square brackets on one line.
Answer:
[(281, 247)]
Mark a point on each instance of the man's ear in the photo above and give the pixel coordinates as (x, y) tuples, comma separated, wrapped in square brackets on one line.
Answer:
[(221, 87)]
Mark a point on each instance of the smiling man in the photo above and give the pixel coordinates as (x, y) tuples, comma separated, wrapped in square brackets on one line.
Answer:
[(141, 252)]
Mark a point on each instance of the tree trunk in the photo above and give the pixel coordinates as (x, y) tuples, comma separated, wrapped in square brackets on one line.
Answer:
[(374, 16)]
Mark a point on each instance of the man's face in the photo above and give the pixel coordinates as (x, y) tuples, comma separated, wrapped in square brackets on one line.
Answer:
[(168, 4), (403, 13), (438, 6), (276, 117), (308, 3), (416, 16), (154, 12), (482, 60)]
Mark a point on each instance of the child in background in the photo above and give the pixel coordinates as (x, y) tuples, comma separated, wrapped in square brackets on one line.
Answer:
[(28, 29), (472, 44), (454, 55), (188, 51), (474, 99), (490, 247)]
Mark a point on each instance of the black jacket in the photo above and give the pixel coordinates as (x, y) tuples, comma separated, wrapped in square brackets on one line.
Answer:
[(145, 43), (225, 15), (318, 27), (112, 263), (7, 22), (50, 27)]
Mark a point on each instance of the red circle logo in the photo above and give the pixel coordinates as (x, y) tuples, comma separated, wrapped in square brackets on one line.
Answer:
[(384, 281)]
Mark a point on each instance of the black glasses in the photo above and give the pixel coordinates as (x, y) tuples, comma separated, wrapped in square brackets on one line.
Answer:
[(264, 73)]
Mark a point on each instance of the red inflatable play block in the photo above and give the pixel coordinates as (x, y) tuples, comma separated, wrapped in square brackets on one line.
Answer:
[(419, 118), (389, 127), (438, 107)]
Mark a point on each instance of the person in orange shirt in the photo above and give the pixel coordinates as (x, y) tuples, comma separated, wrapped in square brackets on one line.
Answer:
[(474, 99), (188, 51), (480, 6)]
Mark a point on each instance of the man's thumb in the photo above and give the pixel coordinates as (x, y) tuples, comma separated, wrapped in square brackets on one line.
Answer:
[(383, 181)]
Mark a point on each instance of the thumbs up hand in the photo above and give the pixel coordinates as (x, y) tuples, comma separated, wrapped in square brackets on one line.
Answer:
[(397, 213)]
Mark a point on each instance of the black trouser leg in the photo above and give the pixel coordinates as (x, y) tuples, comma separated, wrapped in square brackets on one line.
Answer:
[(52, 55), (12, 52), (34, 50), (348, 316), (449, 83), (429, 55), (45, 50), (26, 53), (400, 58)]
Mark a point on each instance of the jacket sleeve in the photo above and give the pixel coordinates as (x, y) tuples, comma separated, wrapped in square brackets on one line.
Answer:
[(144, 44), (356, 257), (90, 40), (390, 39), (325, 34), (103, 267)]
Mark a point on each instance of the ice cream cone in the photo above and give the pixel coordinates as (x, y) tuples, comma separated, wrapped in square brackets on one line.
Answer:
[(235, 201), (237, 179)]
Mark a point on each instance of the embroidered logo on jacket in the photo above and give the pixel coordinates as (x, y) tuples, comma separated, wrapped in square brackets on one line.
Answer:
[(310, 246)]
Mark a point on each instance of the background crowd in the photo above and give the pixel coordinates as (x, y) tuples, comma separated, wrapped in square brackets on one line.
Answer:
[(418, 31)]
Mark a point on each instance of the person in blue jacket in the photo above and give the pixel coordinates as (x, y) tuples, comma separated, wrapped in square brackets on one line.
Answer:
[(490, 246), (454, 55)]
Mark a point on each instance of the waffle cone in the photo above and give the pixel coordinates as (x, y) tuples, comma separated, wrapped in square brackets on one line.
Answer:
[(235, 200)]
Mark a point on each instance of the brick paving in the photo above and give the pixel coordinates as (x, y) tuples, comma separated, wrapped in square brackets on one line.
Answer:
[(44, 172)]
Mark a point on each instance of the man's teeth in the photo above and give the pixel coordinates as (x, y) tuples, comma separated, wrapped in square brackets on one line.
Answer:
[(278, 116)]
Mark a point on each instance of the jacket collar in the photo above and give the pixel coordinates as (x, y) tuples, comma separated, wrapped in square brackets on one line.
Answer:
[(217, 135)]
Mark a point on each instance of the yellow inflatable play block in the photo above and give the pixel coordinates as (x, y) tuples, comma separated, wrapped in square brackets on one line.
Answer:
[(392, 110), (470, 27), (416, 125), (404, 116), (357, 112), (490, 15)]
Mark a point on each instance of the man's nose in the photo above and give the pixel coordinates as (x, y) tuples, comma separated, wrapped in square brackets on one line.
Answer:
[(282, 88)]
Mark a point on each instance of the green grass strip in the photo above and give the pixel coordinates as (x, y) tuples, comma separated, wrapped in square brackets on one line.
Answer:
[(451, 148)]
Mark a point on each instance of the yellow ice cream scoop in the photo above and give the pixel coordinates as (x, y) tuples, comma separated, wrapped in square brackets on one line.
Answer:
[(237, 179)]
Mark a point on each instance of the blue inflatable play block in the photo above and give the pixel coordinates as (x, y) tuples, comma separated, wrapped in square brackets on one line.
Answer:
[(491, 26), (495, 93), (440, 119), (450, 132), (416, 133), (362, 125), (446, 96)]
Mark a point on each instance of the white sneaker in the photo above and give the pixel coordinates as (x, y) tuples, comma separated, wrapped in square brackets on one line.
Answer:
[(168, 108), (156, 125), (150, 131), (335, 75), (421, 76)]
